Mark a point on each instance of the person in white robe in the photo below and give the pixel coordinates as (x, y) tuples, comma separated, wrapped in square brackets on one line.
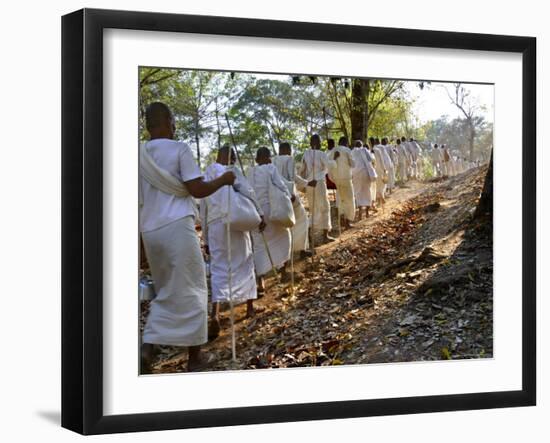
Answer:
[(445, 157), (272, 246), (414, 151), (461, 165), (406, 146), (385, 150), (404, 162), (341, 174), (419, 160), (382, 167), (436, 160), (331, 186), (315, 166), (451, 164), (243, 279), (364, 178), (395, 163), (284, 162), (169, 179)]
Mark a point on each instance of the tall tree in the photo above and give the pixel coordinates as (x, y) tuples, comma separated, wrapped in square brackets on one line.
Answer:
[(359, 108), (198, 100), (462, 99), (356, 107)]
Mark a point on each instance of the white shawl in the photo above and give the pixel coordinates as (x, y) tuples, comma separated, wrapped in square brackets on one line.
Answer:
[(158, 177)]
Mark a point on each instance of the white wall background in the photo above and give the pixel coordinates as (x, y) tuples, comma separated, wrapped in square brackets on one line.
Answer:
[(30, 219)]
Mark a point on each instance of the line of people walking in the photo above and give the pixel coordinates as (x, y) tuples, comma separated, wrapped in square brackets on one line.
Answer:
[(252, 221)]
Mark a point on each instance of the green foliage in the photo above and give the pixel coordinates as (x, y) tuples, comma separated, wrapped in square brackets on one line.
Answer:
[(266, 110), (454, 133), (426, 167)]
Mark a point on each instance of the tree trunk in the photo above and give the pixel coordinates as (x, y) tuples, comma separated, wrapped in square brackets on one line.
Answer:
[(485, 204), (358, 108), (471, 141), (366, 118)]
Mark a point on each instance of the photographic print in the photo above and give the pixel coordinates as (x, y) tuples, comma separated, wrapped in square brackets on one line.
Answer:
[(254, 209), (300, 220)]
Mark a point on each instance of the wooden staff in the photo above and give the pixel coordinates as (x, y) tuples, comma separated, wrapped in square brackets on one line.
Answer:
[(313, 209), (291, 262), (230, 271), (234, 144)]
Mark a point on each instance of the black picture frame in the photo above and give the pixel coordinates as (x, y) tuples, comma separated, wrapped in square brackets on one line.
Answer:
[(82, 220)]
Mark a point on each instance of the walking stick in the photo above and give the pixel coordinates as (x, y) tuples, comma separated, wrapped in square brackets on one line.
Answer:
[(313, 210), (273, 269), (337, 198), (234, 144), (230, 277), (291, 262)]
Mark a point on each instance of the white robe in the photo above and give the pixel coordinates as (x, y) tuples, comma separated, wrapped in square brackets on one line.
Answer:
[(404, 162), (382, 167), (178, 314), (461, 165), (342, 178), (243, 279), (388, 149), (445, 165), (364, 177), (276, 236), (436, 161), (418, 158), (287, 169), (413, 154), (315, 165)]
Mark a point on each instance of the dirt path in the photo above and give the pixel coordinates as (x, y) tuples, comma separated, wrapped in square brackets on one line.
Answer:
[(359, 299)]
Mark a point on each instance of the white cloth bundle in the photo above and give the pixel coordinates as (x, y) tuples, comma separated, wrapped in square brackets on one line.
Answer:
[(243, 215), (239, 210), (158, 177), (280, 205), (286, 167)]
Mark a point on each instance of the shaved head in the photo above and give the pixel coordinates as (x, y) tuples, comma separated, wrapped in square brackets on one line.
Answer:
[(343, 141), (158, 116), (263, 156), (284, 148), (223, 155), (315, 141)]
